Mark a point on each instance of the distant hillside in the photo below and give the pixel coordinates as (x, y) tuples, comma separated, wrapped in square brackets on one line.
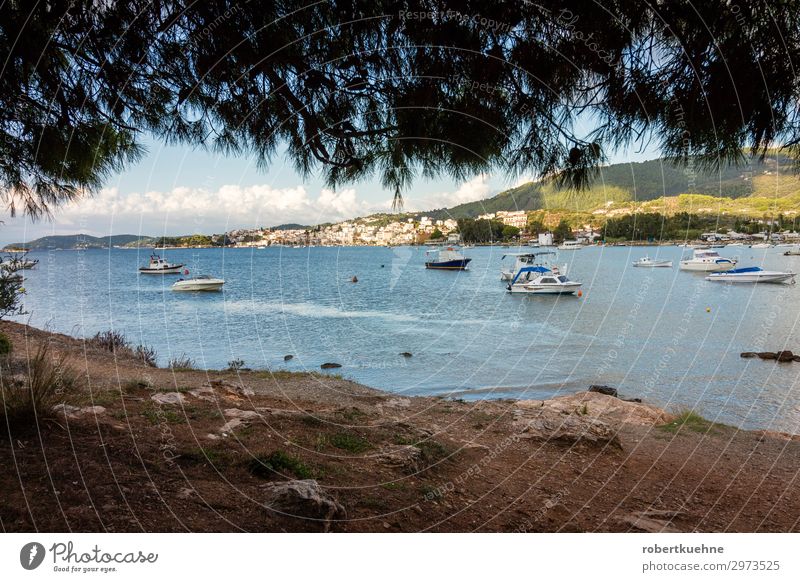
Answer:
[(77, 241), (290, 226), (641, 181)]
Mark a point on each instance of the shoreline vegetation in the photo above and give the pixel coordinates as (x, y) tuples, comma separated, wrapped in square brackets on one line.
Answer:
[(120, 445)]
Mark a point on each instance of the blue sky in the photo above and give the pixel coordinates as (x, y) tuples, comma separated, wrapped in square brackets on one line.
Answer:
[(181, 190)]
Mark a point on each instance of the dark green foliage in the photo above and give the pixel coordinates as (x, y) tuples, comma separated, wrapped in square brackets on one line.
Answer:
[(510, 231), (5, 345), (562, 232), (654, 226), (277, 464), (480, 231), (362, 87), (436, 234)]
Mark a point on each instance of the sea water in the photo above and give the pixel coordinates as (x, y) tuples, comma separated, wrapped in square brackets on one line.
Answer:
[(664, 335)]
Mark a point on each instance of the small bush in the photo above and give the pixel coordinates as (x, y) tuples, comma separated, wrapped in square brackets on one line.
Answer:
[(44, 384), (5, 345), (113, 341), (235, 365), (278, 463), (147, 355), (182, 362), (350, 442)]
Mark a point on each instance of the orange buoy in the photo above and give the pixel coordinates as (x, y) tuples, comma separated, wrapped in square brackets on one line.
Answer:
[(580, 293)]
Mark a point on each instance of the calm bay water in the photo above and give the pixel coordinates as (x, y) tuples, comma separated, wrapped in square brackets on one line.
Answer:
[(667, 336)]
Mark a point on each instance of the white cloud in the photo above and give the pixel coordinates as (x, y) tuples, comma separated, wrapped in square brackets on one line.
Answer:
[(477, 188), (183, 210)]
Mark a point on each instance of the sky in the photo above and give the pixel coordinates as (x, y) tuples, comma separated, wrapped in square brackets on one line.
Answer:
[(176, 190)]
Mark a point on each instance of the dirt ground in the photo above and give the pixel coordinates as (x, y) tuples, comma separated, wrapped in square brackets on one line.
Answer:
[(139, 448)]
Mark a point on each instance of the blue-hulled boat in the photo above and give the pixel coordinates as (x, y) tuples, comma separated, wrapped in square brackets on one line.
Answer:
[(447, 259)]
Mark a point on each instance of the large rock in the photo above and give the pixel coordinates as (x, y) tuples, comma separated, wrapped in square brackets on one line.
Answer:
[(606, 408), (607, 390), (168, 398), (569, 429), (330, 365), (238, 418), (785, 356), (407, 457), (303, 499)]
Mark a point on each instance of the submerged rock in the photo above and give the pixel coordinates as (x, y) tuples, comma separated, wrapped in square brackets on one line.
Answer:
[(748, 355), (768, 355), (329, 365), (288, 357), (303, 498), (785, 356), (406, 354), (607, 390)]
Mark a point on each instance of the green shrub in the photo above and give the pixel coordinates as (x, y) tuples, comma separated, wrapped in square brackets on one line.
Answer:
[(5, 345), (278, 463)]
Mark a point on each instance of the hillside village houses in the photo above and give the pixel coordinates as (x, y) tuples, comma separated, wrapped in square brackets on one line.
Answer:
[(362, 231)]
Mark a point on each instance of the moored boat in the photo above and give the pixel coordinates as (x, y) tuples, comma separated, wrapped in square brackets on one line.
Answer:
[(542, 279), (521, 260), (447, 259), (794, 250), (752, 275), (159, 266), (648, 262), (570, 245), (707, 260), (199, 283)]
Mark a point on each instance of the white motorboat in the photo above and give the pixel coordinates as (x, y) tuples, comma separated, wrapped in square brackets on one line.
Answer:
[(763, 245), (648, 262), (539, 279), (199, 283), (159, 266), (18, 263), (752, 275), (521, 260), (707, 260), (570, 245)]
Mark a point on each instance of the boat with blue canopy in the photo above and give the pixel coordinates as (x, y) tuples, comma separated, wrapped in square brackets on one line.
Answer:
[(540, 279), (752, 275)]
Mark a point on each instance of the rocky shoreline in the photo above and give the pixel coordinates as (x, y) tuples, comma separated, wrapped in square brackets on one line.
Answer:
[(138, 448)]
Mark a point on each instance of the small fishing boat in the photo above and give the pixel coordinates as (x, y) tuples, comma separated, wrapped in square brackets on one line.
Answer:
[(793, 251), (570, 245), (707, 260), (199, 283), (648, 262), (447, 259), (752, 275), (521, 260), (159, 266)]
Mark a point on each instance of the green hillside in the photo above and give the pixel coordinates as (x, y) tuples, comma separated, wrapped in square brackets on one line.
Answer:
[(642, 182), (76, 241)]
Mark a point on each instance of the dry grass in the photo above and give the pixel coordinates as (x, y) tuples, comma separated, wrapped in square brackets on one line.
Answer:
[(31, 388)]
